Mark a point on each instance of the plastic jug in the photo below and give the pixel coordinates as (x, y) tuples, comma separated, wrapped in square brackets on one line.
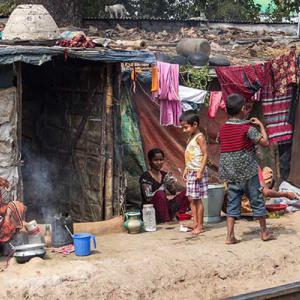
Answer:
[(82, 243)]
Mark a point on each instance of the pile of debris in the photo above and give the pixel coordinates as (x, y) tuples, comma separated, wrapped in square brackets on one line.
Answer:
[(239, 46)]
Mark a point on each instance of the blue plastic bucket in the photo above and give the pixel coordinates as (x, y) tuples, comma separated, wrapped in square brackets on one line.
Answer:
[(82, 243)]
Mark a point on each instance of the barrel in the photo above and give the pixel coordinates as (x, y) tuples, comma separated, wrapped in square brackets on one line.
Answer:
[(188, 46)]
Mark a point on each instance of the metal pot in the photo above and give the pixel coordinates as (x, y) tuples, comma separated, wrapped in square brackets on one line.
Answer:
[(26, 252)]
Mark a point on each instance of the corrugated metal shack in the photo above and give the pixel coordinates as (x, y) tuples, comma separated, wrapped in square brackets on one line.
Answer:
[(60, 140)]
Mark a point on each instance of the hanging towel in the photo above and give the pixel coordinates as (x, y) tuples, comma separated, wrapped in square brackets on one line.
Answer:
[(170, 105), (246, 80), (155, 81), (216, 101), (191, 97), (170, 112), (168, 81)]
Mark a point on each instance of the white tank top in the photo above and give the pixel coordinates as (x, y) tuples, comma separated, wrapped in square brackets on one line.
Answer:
[(193, 154)]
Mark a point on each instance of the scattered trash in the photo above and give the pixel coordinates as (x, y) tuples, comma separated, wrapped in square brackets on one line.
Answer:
[(65, 250)]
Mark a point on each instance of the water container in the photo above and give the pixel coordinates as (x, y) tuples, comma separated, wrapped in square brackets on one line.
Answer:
[(213, 205), (82, 243), (60, 235), (149, 218)]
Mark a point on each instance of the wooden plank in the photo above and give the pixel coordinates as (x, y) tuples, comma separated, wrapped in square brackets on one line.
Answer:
[(109, 144)]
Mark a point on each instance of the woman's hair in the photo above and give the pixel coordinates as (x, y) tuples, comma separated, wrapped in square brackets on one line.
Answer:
[(153, 152), (190, 117)]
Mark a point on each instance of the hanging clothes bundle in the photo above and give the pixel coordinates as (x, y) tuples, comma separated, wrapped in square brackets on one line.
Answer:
[(191, 98), (277, 95), (245, 80), (170, 105)]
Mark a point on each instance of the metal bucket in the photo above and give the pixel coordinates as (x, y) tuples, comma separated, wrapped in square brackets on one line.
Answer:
[(213, 204)]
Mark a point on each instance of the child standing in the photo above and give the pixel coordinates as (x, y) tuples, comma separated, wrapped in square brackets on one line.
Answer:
[(238, 165), (195, 172)]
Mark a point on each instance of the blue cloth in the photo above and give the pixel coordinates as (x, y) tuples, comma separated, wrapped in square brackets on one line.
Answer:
[(253, 191)]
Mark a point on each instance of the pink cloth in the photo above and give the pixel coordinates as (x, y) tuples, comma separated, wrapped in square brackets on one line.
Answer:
[(215, 102), (168, 81), (170, 105)]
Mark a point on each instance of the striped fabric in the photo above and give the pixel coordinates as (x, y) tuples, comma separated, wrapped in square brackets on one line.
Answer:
[(276, 113), (234, 137)]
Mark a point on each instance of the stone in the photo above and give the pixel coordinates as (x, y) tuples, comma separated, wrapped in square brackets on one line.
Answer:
[(199, 60), (219, 60), (30, 22), (179, 60)]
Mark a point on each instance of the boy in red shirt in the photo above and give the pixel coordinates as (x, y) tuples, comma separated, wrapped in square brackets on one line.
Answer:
[(239, 167)]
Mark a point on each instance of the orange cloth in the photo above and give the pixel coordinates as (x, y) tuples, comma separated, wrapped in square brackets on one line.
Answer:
[(155, 80)]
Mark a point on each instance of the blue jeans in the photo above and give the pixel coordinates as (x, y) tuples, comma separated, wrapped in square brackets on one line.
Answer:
[(253, 191)]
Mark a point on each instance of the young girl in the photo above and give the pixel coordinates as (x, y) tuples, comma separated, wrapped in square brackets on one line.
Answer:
[(195, 172)]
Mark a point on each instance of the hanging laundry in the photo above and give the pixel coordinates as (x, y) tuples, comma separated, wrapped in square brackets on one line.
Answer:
[(170, 112), (155, 81), (284, 69), (191, 98), (216, 101), (168, 81), (246, 80), (170, 105), (276, 113)]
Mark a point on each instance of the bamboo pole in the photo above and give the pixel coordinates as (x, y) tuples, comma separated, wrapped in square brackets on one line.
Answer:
[(20, 189), (109, 144)]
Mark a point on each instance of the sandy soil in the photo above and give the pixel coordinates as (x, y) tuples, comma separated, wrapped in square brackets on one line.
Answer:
[(163, 265)]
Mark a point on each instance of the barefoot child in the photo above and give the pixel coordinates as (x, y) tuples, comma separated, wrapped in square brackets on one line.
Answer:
[(195, 172), (239, 167)]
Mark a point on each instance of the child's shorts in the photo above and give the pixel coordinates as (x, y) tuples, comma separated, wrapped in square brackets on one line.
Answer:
[(253, 191), (196, 189)]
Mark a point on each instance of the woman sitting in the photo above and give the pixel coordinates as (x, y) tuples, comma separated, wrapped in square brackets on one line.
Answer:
[(154, 186)]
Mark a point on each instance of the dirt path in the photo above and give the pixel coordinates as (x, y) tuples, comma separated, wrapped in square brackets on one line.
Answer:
[(163, 265)]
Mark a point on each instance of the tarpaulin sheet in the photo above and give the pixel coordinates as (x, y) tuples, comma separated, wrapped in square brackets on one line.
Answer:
[(39, 55), (171, 139)]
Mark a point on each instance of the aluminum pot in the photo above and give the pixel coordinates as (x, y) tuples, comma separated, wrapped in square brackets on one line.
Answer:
[(25, 253)]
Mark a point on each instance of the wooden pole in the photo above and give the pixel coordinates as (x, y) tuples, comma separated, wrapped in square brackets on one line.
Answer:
[(20, 191), (109, 144)]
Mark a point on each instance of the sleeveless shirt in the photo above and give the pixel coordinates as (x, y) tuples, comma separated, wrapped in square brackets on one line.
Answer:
[(193, 154)]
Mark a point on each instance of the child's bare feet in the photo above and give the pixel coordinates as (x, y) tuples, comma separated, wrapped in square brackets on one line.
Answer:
[(232, 241), (267, 236), (198, 231), (192, 226)]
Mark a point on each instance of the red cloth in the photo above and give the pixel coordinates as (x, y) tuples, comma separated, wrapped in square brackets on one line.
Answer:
[(284, 69), (163, 206), (233, 137), (246, 80), (13, 214), (216, 101)]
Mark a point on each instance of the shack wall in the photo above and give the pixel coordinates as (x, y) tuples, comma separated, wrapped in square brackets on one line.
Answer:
[(64, 141)]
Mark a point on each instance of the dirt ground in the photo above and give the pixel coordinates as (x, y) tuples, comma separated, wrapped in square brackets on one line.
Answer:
[(166, 264)]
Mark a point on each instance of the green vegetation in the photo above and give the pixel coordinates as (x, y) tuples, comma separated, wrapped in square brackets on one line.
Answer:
[(7, 7)]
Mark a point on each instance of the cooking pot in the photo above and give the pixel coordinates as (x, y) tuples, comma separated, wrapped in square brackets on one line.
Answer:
[(26, 252)]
